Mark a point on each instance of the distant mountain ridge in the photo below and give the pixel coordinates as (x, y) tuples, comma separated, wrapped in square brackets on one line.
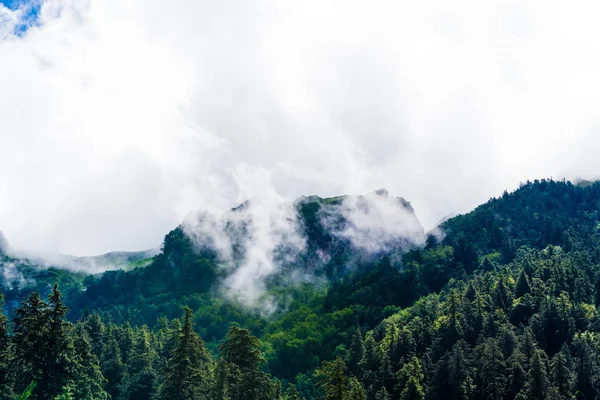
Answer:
[(332, 231)]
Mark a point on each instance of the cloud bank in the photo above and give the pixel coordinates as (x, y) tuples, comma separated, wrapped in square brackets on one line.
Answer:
[(270, 237), (119, 117)]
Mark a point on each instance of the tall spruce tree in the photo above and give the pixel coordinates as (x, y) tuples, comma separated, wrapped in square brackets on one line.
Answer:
[(142, 379), (291, 393), (187, 374), (89, 382), (44, 344), (538, 384), (356, 351), (333, 379), (112, 366), (243, 350)]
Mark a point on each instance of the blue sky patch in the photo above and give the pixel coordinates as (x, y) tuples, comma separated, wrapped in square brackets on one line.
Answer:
[(32, 8)]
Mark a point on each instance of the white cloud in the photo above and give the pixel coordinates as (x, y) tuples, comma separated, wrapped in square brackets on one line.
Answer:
[(376, 222), (118, 117), (252, 242)]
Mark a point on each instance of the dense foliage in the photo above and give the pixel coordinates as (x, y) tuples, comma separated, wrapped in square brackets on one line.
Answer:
[(503, 307)]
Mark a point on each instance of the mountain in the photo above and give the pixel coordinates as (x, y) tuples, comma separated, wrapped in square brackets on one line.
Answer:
[(93, 264), (352, 295)]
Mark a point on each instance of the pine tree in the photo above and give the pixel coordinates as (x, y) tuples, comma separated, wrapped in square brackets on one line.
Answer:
[(382, 394), (142, 378), (538, 383), (410, 379), (187, 375), (67, 393), (61, 365), (459, 370), (385, 376), (468, 389), (586, 366), (112, 367), (369, 365), (523, 286), (6, 378), (291, 393), (39, 325), (357, 392), (561, 372), (413, 390), (508, 342), (528, 347), (492, 371), (126, 340), (96, 331), (243, 350), (333, 379), (221, 381), (356, 351), (517, 376), (30, 334), (89, 381)]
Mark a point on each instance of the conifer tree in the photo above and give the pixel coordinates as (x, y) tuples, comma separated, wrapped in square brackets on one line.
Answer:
[(96, 331), (39, 325), (538, 383), (243, 350), (413, 390), (357, 392), (492, 371), (369, 365), (586, 366), (112, 367), (459, 370), (517, 376), (523, 286), (382, 394), (6, 378), (89, 381), (221, 381), (356, 351), (30, 334), (411, 380), (187, 374), (561, 372), (333, 379), (291, 393), (142, 379)]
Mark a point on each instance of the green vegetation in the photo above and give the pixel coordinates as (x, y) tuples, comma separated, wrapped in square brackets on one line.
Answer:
[(505, 306)]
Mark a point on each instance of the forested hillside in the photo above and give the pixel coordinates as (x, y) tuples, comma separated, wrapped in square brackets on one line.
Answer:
[(502, 305)]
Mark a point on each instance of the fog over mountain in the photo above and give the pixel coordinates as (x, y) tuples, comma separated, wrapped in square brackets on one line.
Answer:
[(124, 116)]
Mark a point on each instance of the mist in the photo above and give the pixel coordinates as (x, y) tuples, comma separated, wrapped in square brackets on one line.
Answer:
[(119, 118), (268, 236)]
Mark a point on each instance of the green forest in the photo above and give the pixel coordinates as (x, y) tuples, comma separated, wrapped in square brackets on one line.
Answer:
[(502, 305)]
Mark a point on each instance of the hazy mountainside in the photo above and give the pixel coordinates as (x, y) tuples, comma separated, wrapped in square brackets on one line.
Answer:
[(94, 264), (350, 300), (3, 244)]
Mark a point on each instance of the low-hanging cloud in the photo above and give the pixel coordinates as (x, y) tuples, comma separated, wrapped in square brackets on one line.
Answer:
[(268, 236), (252, 242), (119, 117), (375, 222)]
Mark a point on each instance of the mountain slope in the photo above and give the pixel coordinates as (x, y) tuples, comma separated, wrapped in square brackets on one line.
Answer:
[(537, 214), (508, 294)]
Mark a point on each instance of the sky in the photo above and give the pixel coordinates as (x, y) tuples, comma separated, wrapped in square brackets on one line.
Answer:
[(118, 117)]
